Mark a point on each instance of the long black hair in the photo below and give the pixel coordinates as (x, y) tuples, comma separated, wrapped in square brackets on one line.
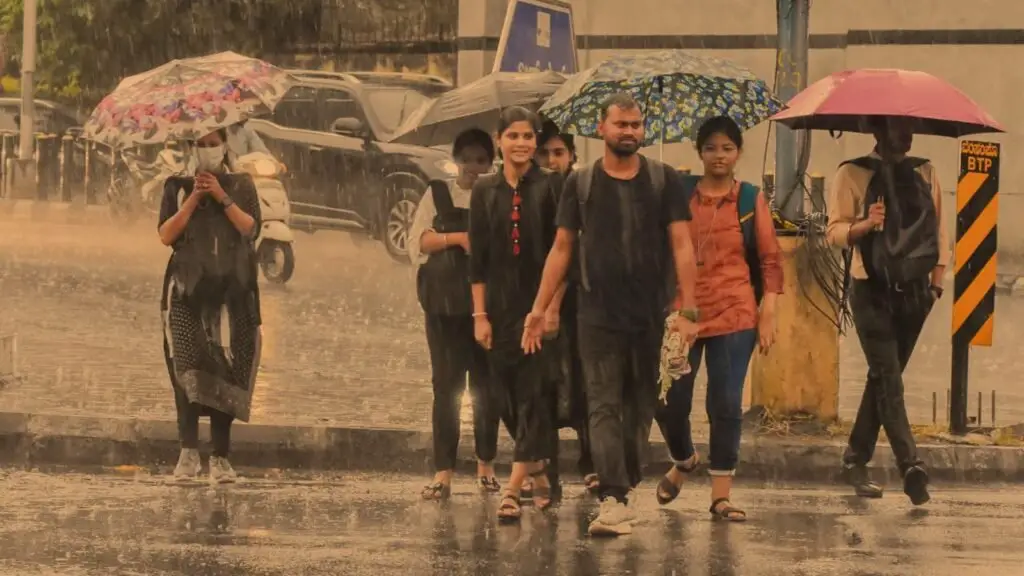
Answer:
[(513, 114)]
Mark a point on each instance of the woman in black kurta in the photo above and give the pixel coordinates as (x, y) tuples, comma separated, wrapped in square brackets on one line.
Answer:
[(210, 303), (511, 230)]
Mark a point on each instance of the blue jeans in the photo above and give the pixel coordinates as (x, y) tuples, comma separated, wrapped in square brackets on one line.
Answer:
[(728, 356)]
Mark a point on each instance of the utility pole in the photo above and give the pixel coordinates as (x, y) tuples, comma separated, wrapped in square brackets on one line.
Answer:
[(792, 78), (28, 69), (801, 376)]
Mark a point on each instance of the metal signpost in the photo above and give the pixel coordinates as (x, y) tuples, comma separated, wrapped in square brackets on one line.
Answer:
[(538, 36), (974, 284)]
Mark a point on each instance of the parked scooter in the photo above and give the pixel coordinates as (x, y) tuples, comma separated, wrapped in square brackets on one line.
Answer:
[(136, 186), (275, 239)]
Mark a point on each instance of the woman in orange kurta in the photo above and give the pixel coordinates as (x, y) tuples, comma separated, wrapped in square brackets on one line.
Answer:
[(731, 322)]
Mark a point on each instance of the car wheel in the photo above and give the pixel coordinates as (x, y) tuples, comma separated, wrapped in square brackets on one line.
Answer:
[(277, 260), (398, 219)]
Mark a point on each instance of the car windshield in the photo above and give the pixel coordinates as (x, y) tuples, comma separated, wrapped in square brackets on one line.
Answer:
[(391, 105)]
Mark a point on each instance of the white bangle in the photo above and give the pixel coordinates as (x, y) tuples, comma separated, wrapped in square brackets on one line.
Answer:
[(479, 314), (444, 237)]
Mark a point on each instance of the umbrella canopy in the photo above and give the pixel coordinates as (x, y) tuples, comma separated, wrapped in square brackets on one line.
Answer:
[(476, 105), (187, 99), (842, 101), (677, 91)]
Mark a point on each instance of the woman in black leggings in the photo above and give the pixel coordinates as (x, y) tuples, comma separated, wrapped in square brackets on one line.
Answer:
[(439, 245)]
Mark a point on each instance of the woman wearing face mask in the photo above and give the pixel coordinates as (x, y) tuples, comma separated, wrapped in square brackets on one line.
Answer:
[(739, 280), (511, 230), (210, 302), (439, 245)]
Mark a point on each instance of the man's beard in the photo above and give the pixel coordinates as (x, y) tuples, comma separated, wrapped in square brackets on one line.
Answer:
[(624, 149)]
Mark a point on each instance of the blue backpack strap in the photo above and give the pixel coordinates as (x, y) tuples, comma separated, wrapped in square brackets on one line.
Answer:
[(689, 184), (746, 208)]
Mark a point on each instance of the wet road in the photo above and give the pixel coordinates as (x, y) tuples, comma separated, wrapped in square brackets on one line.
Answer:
[(82, 525), (344, 340)]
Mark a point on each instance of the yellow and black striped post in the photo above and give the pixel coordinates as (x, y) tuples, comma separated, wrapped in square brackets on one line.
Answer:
[(974, 284)]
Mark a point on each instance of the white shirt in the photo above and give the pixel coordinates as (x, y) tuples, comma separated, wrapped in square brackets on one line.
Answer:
[(423, 221), (243, 140)]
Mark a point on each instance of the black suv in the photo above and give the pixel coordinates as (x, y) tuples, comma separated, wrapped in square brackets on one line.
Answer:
[(331, 132)]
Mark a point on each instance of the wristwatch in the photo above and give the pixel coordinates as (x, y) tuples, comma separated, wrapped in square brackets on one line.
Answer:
[(937, 290), (227, 202)]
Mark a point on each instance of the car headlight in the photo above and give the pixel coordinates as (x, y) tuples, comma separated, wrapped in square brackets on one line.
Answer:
[(448, 167)]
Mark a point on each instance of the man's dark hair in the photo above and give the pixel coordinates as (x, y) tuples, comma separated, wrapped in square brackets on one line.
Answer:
[(621, 100), (551, 130), (719, 125), (473, 137)]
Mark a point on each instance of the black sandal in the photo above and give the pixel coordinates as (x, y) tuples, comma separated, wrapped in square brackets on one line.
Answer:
[(728, 512), (488, 484), (667, 490), (510, 509), (437, 491), (541, 495)]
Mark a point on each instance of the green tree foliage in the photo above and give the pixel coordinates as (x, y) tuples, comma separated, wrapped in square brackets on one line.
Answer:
[(84, 47)]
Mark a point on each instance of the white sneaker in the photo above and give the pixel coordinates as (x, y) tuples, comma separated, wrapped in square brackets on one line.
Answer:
[(221, 471), (188, 465), (614, 519)]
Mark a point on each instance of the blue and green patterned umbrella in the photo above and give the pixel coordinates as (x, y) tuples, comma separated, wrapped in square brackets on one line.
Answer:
[(676, 91)]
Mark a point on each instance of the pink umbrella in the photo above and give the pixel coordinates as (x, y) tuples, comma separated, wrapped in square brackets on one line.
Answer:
[(841, 102)]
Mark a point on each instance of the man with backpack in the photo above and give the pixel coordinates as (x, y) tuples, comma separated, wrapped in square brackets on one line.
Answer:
[(885, 209), (630, 216)]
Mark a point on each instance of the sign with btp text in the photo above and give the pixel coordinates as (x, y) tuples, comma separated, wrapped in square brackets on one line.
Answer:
[(977, 212), (537, 36)]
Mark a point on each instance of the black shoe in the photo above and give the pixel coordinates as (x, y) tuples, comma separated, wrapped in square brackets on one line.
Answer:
[(857, 476), (915, 485)]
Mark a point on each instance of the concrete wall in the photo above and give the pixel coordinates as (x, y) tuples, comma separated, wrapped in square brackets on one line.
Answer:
[(844, 34)]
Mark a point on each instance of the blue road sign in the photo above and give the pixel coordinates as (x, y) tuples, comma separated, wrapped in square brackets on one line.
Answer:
[(538, 35)]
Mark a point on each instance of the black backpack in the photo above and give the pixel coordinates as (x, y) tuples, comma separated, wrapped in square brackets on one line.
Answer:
[(906, 250), (442, 282)]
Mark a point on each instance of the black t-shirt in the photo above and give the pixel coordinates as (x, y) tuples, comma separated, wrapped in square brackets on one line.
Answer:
[(626, 246)]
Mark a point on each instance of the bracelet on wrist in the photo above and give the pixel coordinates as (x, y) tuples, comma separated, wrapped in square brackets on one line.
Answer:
[(479, 314), (691, 314)]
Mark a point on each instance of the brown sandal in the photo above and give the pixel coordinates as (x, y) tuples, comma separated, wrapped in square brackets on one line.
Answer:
[(526, 489), (488, 485), (727, 512), (510, 509), (592, 482), (437, 491), (542, 498), (667, 490)]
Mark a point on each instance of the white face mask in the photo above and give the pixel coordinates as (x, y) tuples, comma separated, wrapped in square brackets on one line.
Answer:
[(210, 159)]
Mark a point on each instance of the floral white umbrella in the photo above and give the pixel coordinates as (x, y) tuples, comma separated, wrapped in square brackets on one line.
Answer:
[(186, 99)]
